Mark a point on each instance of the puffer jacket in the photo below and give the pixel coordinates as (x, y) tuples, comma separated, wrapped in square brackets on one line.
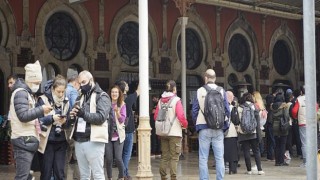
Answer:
[(21, 103), (98, 118), (277, 109)]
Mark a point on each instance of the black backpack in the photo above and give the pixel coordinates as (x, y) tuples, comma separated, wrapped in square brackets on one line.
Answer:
[(284, 122), (248, 122), (214, 112), (234, 116)]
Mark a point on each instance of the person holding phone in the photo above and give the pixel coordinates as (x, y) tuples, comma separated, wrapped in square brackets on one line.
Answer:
[(53, 139)]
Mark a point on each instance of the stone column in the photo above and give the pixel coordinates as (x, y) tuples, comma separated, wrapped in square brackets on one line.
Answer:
[(183, 21), (144, 129)]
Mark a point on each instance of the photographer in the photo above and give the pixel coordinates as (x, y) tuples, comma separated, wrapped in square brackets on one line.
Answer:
[(53, 144)]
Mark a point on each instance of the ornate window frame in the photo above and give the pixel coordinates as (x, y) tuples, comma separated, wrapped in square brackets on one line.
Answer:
[(84, 24), (284, 33), (243, 27)]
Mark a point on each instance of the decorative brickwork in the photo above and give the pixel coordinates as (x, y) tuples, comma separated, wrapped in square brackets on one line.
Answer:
[(6, 153), (264, 72), (101, 63), (264, 89), (25, 57), (218, 69), (103, 83), (165, 66)]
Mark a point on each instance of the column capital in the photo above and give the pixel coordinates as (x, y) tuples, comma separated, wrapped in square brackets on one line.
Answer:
[(184, 6)]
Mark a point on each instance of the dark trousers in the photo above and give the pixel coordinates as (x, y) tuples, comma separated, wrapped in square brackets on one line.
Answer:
[(23, 160), (296, 136), (289, 141), (253, 144), (270, 142), (53, 160), (117, 147), (233, 166), (155, 140), (280, 148)]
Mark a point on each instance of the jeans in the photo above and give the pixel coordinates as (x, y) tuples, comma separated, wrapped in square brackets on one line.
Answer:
[(53, 161), (303, 134), (116, 147), (126, 154), (280, 148), (215, 138), (23, 160), (90, 156), (254, 144), (171, 150)]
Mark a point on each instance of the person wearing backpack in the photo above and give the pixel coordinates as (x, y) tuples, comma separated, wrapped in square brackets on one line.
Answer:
[(259, 105), (247, 131), (90, 131), (170, 143), (280, 114), (210, 135)]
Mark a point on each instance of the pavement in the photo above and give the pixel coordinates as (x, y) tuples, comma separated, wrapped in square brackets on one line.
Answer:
[(188, 170)]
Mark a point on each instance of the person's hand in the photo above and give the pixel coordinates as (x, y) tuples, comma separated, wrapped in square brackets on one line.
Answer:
[(73, 112), (58, 120), (46, 109), (80, 112)]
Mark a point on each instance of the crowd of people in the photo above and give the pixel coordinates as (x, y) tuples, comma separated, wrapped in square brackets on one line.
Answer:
[(75, 119)]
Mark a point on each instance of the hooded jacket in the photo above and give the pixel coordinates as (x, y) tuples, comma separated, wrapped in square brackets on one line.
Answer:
[(180, 120), (23, 112)]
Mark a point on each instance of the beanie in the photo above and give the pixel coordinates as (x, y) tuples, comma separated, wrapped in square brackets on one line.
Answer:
[(33, 72)]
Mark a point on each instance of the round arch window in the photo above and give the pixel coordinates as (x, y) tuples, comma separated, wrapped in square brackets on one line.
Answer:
[(194, 50), (281, 56), (62, 36), (239, 52), (128, 43)]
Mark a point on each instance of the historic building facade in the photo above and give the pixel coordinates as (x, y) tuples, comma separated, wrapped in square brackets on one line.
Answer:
[(102, 36)]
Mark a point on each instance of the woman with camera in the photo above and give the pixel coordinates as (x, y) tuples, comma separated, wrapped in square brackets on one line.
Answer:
[(117, 135), (53, 143)]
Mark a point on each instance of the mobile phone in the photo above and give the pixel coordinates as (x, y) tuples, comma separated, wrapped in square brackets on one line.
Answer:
[(62, 116)]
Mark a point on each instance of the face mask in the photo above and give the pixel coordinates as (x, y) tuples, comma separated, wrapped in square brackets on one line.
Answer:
[(34, 88), (85, 88)]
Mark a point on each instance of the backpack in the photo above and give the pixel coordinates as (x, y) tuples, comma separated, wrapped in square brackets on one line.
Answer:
[(214, 112), (163, 122), (248, 122), (284, 122), (234, 116)]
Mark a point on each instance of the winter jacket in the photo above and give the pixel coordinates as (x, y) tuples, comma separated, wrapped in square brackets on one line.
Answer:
[(47, 119), (23, 113), (96, 106), (232, 132), (180, 120), (130, 101), (198, 105), (277, 110), (299, 110)]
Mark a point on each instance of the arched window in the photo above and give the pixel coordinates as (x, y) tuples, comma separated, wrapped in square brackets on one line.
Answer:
[(239, 52), (194, 49), (74, 69), (128, 43), (282, 59), (62, 36)]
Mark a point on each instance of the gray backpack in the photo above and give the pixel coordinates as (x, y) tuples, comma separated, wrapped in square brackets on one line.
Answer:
[(163, 122), (248, 121)]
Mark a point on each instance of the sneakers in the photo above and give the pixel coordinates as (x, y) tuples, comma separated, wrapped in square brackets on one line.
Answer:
[(249, 172), (254, 168), (303, 165), (261, 173)]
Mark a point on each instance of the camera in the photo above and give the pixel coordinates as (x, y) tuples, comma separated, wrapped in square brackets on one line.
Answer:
[(43, 128), (58, 130)]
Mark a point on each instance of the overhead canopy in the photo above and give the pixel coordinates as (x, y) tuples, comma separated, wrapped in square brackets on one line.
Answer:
[(291, 9)]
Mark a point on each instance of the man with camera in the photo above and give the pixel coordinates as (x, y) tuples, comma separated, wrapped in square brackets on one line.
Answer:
[(90, 130)]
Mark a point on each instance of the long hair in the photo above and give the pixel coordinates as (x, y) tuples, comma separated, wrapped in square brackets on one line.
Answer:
[(258, 99), (120, 99)]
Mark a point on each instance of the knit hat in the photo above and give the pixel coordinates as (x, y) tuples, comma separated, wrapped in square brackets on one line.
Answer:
[(33, 72)]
